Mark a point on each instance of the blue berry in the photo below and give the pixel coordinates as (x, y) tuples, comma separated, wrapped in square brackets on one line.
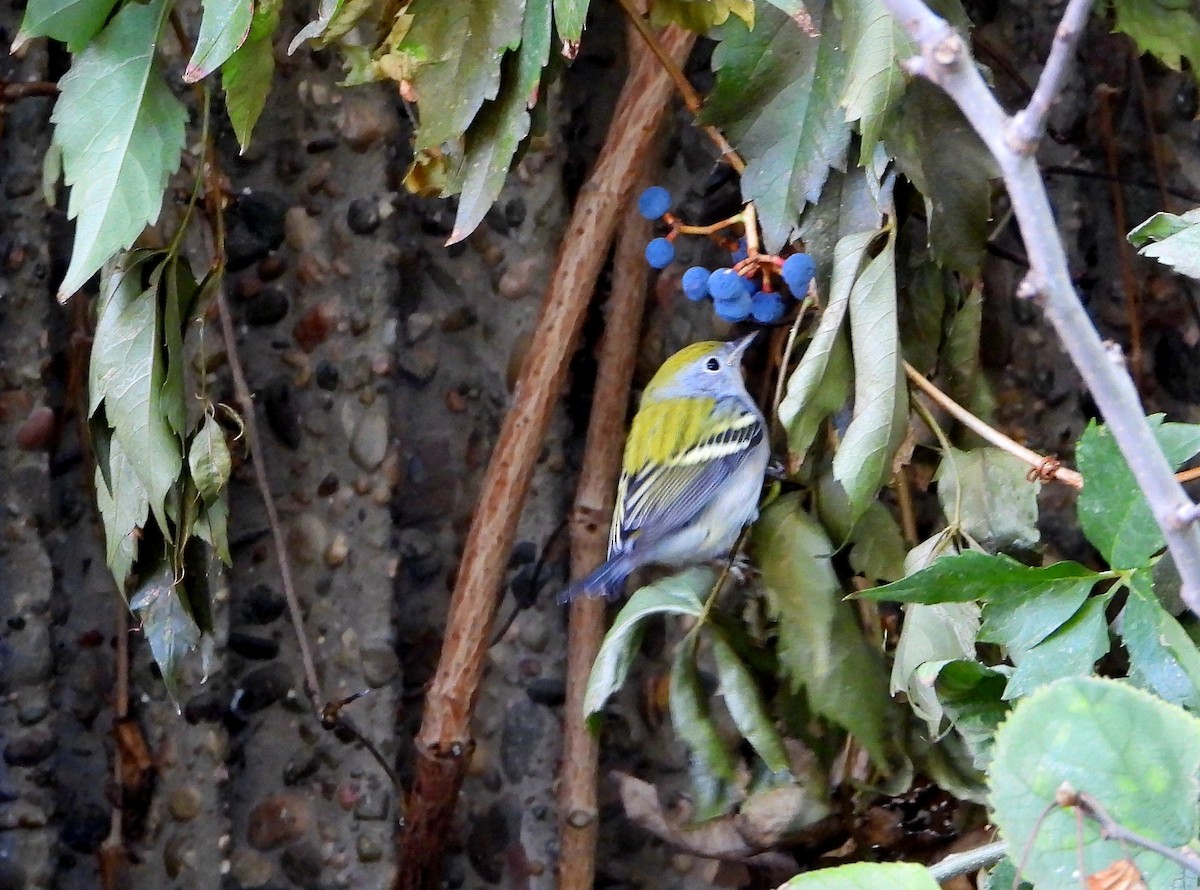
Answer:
[(766, 307), (695, 283), (735, 308), (725, 284), (659, 253), (740, 254), (750, 286), (653, 203), (798, 271)]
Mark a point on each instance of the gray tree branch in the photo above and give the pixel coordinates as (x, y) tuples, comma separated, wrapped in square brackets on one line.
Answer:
[(945, 60)]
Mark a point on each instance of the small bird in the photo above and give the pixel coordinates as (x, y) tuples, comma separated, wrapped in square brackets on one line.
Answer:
[(693, 468)]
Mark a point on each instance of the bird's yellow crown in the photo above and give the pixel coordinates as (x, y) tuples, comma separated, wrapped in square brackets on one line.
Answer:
[(680, 360)]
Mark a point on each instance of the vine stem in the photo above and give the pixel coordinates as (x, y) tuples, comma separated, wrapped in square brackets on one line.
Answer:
[(945, 61), (988, 433), (1111, 829), (967, 861), (444, 743), (579, 808)]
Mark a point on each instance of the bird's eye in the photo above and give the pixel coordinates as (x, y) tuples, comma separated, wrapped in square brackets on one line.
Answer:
[(712, 364)]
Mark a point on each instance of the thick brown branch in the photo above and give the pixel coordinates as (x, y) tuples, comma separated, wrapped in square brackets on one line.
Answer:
[(444, 741)]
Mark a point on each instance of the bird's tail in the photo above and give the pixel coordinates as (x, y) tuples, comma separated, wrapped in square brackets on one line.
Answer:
[(603, 581)]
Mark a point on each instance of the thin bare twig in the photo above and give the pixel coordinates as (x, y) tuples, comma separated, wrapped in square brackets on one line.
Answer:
[(32, 89), (967, 861), (1045, 465), (214, 196), (690, 97), (944, 59), (444, 742), (578, 804), (1029, 123), (1111, 829)]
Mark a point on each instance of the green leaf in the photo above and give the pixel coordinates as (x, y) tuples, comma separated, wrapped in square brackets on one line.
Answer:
[(458, 48), (700, 16), (821, 649), (1172, 240), (212, 527), (167, 624), (693, 723), (1136, 755), (960, 355), (1167, 30), (181, 289), (1021, 619), (874, 79), (940, 153), (1071, 651), (820, 383), (209, 459), (1002, 877), (223, 29), (115, 88), (73, 22), (1113, 512), (744, 702), (127, 373), (776, 99), (850, 204), (925, 295), (935, 634), (1162, 657), (863, 461), (865, 876), (972, 696), (247, 75), (675, 595), (492, 140), (878, 549), (987, 493), (569, 18), (124, 509), (326, 11)]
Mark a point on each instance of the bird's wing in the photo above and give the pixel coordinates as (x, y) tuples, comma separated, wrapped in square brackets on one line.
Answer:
[(670, 472)]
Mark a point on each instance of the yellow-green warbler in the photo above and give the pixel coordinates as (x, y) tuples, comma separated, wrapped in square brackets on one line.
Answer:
[(693, 467)]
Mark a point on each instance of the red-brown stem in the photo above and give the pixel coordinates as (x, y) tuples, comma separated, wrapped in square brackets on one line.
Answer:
[(444, 742), (578, 807)]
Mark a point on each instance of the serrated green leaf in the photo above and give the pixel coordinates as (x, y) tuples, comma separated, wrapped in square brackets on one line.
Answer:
[(1136, 755), (124, 509), (776, 98), (1021, 619), (121, 133), (691, 718), (1168, 31), (987, 493), (127, 372), (863, 461), (458, 49), (1172, 240), (569, 18), (865, 876), (1162, 657), (874, 79), (944, 543), (73, 22), (1113, 512), (493, 137), (246, 77), (675, 595), (972, 575), (167, 624), (820, 383), (960, 355), (940, 153), (1003, 877), (1071, 651), (180, 291), (821, 649), (744, 702), (700, 16), (850, 204), (878, 548), (326, 11), (209, 459), (223, 29)]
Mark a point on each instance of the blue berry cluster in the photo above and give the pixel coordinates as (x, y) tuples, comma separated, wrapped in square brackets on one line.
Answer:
[(736, 297)]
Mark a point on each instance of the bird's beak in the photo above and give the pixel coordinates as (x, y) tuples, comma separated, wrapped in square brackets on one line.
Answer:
[(739, 347)]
